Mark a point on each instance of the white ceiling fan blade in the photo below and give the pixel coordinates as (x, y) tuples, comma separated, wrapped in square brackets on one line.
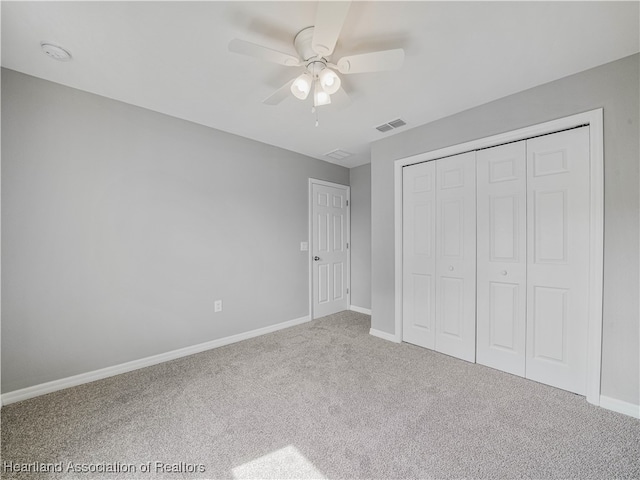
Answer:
[(372, 62), (279, 95), (329, 19), (258, 51)]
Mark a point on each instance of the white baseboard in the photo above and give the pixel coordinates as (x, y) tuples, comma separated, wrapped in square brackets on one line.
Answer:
[(620, 406), (384, 335), (48, 387), (366, 311)]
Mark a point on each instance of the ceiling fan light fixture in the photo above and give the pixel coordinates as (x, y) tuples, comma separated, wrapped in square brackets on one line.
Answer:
[(329, 81), (301, 86), (315, 46), (320, 97)]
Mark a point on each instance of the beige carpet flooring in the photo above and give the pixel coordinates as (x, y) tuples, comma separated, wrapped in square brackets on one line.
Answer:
[(320, 400)]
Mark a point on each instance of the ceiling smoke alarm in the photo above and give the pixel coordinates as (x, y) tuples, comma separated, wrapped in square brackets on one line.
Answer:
[(55, 52)]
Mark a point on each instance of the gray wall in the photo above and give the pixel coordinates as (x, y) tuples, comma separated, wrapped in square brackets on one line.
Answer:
[(121, 226), (360, 181), (616, 88)]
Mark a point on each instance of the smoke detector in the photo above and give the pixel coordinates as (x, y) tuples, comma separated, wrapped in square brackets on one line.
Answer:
[(55, 52)]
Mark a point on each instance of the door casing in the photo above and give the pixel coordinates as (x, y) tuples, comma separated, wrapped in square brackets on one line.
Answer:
[(594, 119)]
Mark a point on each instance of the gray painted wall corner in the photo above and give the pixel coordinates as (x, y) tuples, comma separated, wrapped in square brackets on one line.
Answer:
[(360, 181)]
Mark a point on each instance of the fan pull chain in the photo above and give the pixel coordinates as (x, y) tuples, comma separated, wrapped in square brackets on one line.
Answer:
[(314, 109)]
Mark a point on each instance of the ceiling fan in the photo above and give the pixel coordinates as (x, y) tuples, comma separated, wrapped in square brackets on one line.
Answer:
[(315, 46)]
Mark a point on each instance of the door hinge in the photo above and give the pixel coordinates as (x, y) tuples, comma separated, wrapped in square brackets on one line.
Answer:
[(347, 290), (347, 245), (347, 203)]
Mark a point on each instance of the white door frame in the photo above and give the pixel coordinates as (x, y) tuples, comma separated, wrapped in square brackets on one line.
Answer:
[(594, 119), (347, 188)]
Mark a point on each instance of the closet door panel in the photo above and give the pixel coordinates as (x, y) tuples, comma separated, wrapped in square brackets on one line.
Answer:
[(558, 255), (455, 307), (501, 279), (418, 263)]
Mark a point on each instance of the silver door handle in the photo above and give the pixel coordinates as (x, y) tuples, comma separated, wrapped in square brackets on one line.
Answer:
[(316, 258), (503, 272), (451, 268)]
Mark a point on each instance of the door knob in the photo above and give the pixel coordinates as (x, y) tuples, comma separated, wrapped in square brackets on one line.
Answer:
[(316, 258), (451, 268), (503, 272)]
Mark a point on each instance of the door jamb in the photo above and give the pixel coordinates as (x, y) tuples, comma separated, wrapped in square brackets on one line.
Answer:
[(594, 119), (347, 188)]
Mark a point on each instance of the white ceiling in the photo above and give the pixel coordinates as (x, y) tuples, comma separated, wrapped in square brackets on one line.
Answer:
[(172, 57)]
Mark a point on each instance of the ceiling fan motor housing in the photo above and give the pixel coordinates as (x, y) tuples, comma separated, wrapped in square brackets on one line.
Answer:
[(302, 43)]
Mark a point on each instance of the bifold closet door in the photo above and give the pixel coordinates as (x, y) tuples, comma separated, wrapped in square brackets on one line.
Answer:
[(558, 196), (532, 237), (502, 257), (418, 260), (439, 264), (456, 256)]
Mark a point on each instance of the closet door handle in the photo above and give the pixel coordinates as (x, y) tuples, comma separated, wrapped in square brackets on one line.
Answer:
[(451, 268), (503, 272)]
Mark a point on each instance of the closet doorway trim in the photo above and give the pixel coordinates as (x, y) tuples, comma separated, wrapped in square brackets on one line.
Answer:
[(594, 119)]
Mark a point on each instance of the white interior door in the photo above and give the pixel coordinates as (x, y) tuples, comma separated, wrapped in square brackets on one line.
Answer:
[(558, 258), (329, 249), (419, 259), (502, 257), (456, 256)]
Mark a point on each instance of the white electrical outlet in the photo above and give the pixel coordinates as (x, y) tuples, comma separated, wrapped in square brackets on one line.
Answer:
[(304, 246), (217, 306)]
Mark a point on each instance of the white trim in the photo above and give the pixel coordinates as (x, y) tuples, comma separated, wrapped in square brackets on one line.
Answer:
[(397, 188), (620, 406), (55, 385), (596, 256), (326, 183), (366, 311), (315, 181), (594, 119), (383, 335)]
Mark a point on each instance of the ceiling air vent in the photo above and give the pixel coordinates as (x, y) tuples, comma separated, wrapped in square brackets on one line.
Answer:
[(338, 154), (397, 123)]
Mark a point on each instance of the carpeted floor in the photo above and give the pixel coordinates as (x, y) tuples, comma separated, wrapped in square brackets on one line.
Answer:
[(325, 400)]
